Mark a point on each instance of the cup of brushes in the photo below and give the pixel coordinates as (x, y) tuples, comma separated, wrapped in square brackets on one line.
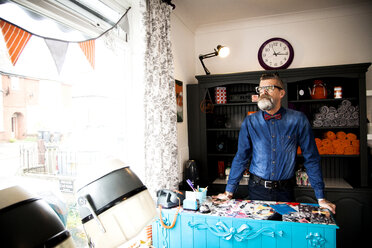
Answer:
[(195, 197)]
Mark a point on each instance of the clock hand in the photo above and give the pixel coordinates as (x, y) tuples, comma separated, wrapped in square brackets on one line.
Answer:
[(274, 52), (282, 53)]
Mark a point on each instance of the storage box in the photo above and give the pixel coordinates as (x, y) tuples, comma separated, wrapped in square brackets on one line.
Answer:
[(191, 204), (220, 95), (200, 195)]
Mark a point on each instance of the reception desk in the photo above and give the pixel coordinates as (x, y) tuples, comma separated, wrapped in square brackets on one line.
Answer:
[(247, 224)]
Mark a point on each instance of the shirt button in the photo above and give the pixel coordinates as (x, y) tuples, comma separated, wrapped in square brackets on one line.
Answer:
[(272, 174), (273, 162), (272, 122), (273, 136), (274, 149)]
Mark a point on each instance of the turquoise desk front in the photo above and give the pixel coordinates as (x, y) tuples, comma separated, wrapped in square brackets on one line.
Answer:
[(196, 230)]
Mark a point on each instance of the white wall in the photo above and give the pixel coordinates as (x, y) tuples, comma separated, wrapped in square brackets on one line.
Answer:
[(328, 37), (183, 46), (333, 36)]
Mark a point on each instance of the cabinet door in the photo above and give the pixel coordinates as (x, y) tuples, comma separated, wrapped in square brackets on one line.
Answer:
[(350, 215)]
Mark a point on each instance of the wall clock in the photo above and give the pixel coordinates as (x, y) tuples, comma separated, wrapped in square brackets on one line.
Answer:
[(275, 53)]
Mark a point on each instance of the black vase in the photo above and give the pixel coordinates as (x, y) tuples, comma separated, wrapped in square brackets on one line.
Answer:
[(192, 172)]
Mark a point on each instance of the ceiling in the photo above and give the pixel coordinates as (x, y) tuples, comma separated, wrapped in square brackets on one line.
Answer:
[(195, 13)]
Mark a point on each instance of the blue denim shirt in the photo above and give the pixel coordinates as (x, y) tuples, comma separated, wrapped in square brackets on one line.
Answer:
[(272, 147)]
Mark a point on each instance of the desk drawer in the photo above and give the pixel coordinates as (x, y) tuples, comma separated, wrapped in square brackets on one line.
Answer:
[(203, 231)]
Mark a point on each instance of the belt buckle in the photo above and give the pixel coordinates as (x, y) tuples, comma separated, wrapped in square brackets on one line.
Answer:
[(266, 186)]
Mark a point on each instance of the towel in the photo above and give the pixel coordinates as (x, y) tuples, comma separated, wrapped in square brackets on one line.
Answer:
[(340, 143), (344, 115)]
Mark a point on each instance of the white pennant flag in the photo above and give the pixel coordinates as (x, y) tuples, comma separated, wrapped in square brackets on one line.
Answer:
[(58, 50)]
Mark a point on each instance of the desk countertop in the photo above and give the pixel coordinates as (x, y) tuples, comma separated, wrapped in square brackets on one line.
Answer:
[(265, 210)]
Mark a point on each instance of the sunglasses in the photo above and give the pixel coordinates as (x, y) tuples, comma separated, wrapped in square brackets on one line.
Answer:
[(269, 88)]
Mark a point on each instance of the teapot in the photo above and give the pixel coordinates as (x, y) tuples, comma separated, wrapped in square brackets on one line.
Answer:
[(319, 90)]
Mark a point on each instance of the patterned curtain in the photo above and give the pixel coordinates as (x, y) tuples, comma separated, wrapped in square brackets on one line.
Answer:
[(161, 164)]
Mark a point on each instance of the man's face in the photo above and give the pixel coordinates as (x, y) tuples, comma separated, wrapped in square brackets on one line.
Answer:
[(270, 98)]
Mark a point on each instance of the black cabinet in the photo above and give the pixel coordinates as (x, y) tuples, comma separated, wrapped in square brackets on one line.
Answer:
[(213, 135)]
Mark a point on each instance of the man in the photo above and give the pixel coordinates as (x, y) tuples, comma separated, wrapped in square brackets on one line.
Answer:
[(270, 138)]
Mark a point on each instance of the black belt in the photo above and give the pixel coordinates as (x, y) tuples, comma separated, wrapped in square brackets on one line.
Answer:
[(272, 184)]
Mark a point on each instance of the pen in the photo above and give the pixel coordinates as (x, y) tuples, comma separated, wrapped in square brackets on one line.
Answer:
[(205, 189)]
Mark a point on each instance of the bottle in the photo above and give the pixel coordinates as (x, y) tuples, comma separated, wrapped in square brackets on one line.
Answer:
[(227, 172), (221, 169)]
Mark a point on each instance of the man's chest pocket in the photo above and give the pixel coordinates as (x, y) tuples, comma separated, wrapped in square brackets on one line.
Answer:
[(288, 142)]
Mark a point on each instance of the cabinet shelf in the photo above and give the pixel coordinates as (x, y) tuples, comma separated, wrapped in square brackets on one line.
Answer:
[(333, 156), (329, 183), (343, 127), (322, 100), (222, 129), (235, 104), (221, 154)]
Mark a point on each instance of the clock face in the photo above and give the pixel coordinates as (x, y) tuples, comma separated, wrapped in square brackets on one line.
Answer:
[(275, 53)]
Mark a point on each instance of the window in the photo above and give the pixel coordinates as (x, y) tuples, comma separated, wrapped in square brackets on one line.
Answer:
[(60, 125)]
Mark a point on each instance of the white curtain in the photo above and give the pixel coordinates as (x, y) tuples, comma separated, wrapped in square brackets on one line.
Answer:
[(161, 164)]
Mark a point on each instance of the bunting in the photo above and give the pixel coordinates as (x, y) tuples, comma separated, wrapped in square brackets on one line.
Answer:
[(88, 48), (58, 50), (15, 40)]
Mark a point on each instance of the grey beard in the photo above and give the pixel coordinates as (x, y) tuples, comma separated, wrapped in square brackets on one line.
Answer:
[(265, 103)]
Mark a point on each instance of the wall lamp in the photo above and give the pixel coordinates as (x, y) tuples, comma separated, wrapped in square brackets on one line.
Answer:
[(221, 51)]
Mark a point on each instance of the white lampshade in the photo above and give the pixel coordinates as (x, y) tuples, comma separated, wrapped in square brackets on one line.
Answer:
[(223, 51)]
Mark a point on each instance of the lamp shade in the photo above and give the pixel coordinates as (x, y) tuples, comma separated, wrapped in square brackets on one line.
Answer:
[(28, 221), (223, 51), (115, 208)]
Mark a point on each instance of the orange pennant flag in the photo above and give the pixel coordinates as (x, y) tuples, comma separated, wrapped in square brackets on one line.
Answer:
[(88, 48), (15, 40)]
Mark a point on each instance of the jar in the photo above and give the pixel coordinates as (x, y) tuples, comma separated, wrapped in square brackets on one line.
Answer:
[(337, 92)]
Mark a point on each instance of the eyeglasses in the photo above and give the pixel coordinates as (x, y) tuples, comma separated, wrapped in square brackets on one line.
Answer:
[(269, 88)]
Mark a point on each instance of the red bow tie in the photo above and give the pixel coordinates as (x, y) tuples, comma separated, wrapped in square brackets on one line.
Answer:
[(268, 117)]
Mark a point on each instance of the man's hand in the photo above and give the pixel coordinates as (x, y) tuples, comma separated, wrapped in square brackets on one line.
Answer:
[(327, 204), (223, 196)]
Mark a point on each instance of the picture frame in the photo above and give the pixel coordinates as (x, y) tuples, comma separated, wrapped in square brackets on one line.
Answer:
[(179, 100)]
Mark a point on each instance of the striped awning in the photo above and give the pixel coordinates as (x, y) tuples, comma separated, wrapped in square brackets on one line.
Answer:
[(15, 39)]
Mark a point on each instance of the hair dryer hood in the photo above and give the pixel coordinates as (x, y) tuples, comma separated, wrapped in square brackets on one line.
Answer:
[(28, 221), (115, 207)]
